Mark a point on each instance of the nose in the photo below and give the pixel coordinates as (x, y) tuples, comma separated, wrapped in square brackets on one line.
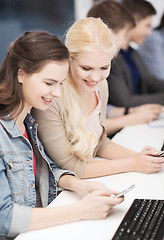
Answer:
[(95, 76), (56, 91)]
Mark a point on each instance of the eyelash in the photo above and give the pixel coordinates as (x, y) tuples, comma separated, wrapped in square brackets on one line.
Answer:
[(87, 69), (49, 84), (105, 68)]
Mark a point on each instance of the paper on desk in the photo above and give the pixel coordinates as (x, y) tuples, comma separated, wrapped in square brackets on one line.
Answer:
[(159, 122)]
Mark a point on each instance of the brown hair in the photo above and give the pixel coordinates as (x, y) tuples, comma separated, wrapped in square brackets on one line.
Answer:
[(112, 13), (140, 9), (29, 53)]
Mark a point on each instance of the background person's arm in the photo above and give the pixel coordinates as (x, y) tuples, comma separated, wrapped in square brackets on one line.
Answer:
[(137, 115)]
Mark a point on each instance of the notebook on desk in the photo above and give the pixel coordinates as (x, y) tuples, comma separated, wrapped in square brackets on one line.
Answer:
[(159, 122)]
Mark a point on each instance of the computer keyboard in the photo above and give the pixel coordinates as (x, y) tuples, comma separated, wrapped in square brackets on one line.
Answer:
[(143, 221)]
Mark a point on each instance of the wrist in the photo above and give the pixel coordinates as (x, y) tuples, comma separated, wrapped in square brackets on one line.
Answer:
[(69, 182), (78, 210), (134, 164), (77, 185)]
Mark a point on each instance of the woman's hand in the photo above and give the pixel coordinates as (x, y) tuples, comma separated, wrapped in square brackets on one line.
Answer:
[(86, 187), (83, 187), (147, 113), (147, 161), (154, 107), (97, 205)]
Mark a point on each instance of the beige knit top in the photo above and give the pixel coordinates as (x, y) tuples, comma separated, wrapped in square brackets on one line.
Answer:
[(52, 134)]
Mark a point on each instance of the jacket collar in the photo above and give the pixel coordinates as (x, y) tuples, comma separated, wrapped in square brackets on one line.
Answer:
[(11, 126)]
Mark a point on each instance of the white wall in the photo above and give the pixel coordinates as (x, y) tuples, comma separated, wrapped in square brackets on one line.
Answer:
[(159, 6), (81, 8)]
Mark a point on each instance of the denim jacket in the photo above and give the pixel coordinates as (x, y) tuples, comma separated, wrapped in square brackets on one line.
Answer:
[(20, 190)]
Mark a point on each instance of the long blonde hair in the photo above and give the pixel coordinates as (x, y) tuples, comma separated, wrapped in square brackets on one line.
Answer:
[(84, 35)]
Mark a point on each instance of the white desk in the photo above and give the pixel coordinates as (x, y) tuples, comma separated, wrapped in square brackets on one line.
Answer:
[(147, 186), (138, 136)]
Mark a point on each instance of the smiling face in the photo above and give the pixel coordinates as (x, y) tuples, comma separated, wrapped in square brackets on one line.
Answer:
[(89, 68), (41, 87)]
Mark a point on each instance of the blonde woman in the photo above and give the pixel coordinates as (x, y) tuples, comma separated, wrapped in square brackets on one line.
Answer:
[(30, 76), (73, 127)]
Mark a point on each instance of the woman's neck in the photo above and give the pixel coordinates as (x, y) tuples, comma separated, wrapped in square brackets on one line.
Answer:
[(19, 120), (90, 101)]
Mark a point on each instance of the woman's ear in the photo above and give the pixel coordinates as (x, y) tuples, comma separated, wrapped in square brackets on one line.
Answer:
[(71, 59), (20, 75)]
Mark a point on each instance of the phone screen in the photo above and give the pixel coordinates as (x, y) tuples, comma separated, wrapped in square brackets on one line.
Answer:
[(125, 191)]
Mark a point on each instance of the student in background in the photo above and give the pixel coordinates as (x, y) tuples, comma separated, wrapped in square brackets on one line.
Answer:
[(117, 18), (76, 121), (152, 51), (120, 21), (129, 81), (30, 76)]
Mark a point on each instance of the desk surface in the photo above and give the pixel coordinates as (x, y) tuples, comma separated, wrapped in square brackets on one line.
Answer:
[(147, 186)]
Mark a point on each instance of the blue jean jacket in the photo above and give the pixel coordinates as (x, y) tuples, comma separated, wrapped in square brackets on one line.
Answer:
[(20, 190)]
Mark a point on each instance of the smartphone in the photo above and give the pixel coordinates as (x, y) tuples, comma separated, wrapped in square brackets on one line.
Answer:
[(161, 154), (124, 191)]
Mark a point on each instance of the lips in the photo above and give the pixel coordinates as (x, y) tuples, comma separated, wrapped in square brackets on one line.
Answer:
[(47, 100), (91, 83)]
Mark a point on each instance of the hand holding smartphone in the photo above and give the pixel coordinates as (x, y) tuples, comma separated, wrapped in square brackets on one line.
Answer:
[(124, 191)]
